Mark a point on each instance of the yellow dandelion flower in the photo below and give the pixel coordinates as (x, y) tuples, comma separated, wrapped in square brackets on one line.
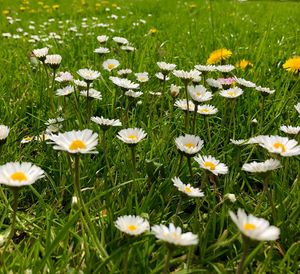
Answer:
[(153, 30), (5, 12), (244, 64), (22, 8), (55, 6), (292, 65), (193, 6), (114, 5), (218, 56)]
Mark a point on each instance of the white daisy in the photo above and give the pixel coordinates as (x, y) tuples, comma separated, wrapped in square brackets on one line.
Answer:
[(174, 235), (166, 67), (54, 125), (64, 77), (205, 68), (128, 48), (133, 94), (255, 228), (207, 110), (123, 83), (213, 83), (187, 189), (162, 77), (106, 123), (27, 139), (92, 93), (244, 83), (81, 141), (102, 50), (199, 94), (120, 40), (17, 174), (53, 61), (230, 196), (4, 131), (231, 92), (142, 77), (212, 164), (290, 130), (279, 145), (89, 75), (297, 107), (110, 64), (65, 91), (238, 142), (265, 166), (225, 68), (102, 38), (41, 53), (183, 105), (174, 90), (189, 144), (124, 72), (265, 90), (132, 225), (131, 135), (186, 76)]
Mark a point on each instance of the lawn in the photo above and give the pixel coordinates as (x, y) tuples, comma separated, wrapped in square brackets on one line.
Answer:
[(67, 212)]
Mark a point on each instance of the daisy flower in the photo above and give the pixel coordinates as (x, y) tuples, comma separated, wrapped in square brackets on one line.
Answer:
[(131, 135), (102, 50), (124, 72), (81, 141), (27, 139), (199, 94), (225, 68), (65, 91), (297, 107), (81, 84), (238, 142), (123, 83), (279, 145), (102, 38), (187, 189), (133, 94), (64, 77), (106, 123), (212, 164), (132, 225), (174, 90), (207, 110), (110, 64), (165, 67), (213, 83), (243, 64), (231, 92), (244, 83), (120, 40), (230, 81), (183, 105), (41, 53), (292, 65), (17, 174), (189, 144), (265, 166), (230, 196), (186, 76), (89, 75), (4, 131), (162, 77), (128, 48), (206, 68), (255, 228), (142, 77), (265, 90), (290, 130), (92, 94), (218, 56), (53, 61), (173, 235), (54, 125)]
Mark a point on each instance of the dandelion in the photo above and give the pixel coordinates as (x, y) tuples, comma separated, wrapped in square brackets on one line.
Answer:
[(218, 56), (187, 188), (243, 64), (110, 64), (252, 228), (292, 65), (132, 225)]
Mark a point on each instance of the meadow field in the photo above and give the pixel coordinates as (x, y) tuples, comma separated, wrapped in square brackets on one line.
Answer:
[(149, 136)]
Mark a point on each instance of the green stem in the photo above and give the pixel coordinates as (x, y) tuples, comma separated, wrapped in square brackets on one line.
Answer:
[(187, 107), (52, 91), (206, 121), (190, 167), (268, 191), (167, 261), (88, 103), (179, 165), (133, 159), (194, 118), (246, 243), (106, 157)]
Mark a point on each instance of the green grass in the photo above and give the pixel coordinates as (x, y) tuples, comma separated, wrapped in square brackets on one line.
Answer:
[(50, 238)]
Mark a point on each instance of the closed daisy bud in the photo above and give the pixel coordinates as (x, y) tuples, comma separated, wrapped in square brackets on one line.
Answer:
[(174, 90), (255, 228)]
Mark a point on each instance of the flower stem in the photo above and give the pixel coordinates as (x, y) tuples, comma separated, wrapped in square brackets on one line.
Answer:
[(133, 159), (206, 121), (194, 118), (190, 167), (88, 103), (246, 242), (167, 261), (268, 191), (106, 157), (187, 107), (52, 91)]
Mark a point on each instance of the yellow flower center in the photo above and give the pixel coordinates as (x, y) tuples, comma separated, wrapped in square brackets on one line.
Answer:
[(210, 165), (187, 189), (132, 137), (77, 144), (19, 176), (142, 78), (231, 93), (281, 146), (189, 145), (198, 93), (110, 66), (204, 110), (175, 235), (249, 226), (132, 227)]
